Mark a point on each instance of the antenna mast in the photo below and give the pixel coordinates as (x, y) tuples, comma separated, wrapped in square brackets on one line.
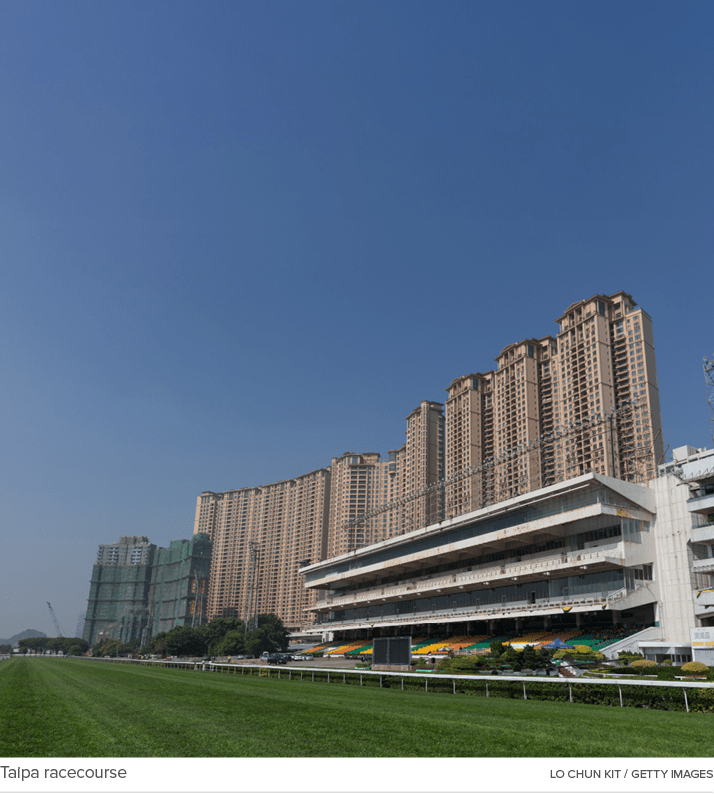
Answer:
[(709, 383)]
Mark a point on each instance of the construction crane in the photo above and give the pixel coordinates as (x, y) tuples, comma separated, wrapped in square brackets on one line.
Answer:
[(55, 621), (709, 383)]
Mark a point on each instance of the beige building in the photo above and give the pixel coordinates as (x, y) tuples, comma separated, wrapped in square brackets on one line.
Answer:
[(555, 408), (260, 537), (362, 484), (374, 498)]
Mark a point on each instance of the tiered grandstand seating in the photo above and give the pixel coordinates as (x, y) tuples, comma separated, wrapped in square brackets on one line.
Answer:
[(563, 636), (344, 649), (457, 643), (419, 643), (359, 650), (485, 642), (322, 648), (432, 647), (531, 638)]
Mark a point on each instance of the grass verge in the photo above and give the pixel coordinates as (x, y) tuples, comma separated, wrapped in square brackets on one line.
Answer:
[(82, 708)]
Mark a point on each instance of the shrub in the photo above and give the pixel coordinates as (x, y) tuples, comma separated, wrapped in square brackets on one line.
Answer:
[(642, 666), (496, 649), (667, 661), (694, 667), (668, 673), (466, 665), (628, 656)]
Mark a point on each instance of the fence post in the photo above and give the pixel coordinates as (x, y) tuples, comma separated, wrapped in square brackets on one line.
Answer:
[(453, 681), (344, 681), (380, 681), (686, 702), (360, 679), (426, 684), (570, 689), (486, 688), (313, 676), (328, 676), (524, 691), (620, 689)]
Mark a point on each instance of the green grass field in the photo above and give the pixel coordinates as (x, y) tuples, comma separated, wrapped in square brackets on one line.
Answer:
[(78, 708)]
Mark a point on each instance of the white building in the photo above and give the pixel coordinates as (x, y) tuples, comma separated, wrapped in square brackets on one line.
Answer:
[(586, 554)]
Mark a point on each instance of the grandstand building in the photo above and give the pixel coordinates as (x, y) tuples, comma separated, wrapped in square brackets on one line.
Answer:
[(588, 554)]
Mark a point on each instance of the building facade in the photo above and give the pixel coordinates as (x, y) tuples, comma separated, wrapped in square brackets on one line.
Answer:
[(138, 589), (554, 408), (581, 556), (179, 584), (557, 407), (375, 497), (118, 603), (260, 537)]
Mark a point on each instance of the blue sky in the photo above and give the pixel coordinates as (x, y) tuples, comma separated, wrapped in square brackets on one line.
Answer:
[(240, 238)]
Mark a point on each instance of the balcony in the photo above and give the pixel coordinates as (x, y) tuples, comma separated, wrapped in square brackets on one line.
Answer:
[(599, 558), (701, 504), (551, 606), (703, 600), (703, 534), (703, 566)]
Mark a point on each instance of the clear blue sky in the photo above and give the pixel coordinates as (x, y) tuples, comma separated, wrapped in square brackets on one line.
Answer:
[(240, 238)]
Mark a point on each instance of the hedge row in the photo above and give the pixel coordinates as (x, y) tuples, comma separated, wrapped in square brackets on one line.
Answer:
[(666, 699)]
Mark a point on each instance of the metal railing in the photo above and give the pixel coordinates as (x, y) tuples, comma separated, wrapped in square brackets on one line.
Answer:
[(357, 677)]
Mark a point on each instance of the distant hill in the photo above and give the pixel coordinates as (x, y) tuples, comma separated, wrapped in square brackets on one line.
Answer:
[(22, 636)]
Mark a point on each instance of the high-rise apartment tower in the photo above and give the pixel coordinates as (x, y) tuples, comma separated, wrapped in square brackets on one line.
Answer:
[(260, 537), (554, 408)]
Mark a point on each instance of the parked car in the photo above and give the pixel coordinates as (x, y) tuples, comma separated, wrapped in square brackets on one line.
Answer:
[(277, 658)]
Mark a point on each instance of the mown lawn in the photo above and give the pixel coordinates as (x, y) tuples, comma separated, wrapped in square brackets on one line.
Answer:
[(84, 708)]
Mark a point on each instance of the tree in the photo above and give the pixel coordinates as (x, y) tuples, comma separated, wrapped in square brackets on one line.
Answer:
[(158, 644), (496, 649), (214, 632), (34, 644), (270, 635), (5, 648), (528, 658), (185, 641), (63, 644), (109, 647), (510, 656), (231, 644)]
